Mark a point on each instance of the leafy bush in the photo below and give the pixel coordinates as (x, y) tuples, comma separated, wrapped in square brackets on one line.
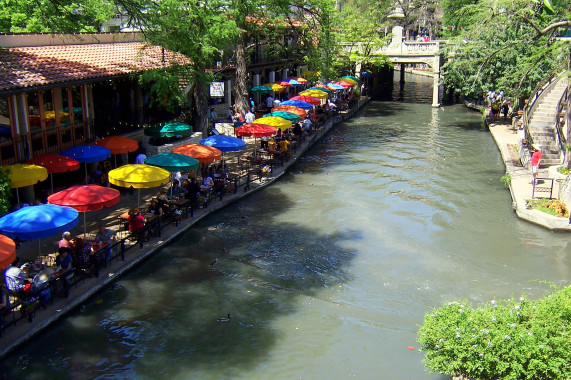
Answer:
[(563, 170), (513, 339), (550, 206)]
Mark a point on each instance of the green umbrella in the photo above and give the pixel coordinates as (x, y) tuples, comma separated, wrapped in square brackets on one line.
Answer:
[(284, 115), (173, 162), (261, 90), (168, 130), (351, 77)]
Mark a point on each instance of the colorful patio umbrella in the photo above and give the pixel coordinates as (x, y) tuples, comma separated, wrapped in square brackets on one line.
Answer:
[(85, 198), (315, 93), (87, 154), (349, 80), (276, 122), (168, 130), (326, 90), (298, 104), (351, 77), (118, 144), (224, 144), (275, 87), (284, 83), (291, 109), (255, 130), (295, 82), (173, 162), (203, 153), (7, 251), (261, 90), (139, 176), (335, 86), (37, 222), (54, 163), (344, 83), (301, 80), (294, 118), (308, 99), (323, 86), (21, 175)]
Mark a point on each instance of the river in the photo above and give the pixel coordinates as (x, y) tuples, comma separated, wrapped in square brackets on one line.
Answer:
[(327, 274)]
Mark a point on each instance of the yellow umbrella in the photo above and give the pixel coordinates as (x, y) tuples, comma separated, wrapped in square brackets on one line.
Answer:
[(315, 93), (139, 176), (275, 87), (25, 175), (274, 121), (352, 81)]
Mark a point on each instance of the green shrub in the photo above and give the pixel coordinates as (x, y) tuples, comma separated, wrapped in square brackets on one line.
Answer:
[(514, 339)]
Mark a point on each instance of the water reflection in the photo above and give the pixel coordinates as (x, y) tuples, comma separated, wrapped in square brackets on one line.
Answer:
[(327, 273)]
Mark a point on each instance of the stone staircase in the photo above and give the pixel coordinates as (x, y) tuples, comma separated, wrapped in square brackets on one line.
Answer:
[(542, 126)]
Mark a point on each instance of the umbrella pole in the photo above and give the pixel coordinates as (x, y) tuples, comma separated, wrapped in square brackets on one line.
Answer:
[(18, 197), (84, 226), (52, 182), (138, 197), (85, 173)]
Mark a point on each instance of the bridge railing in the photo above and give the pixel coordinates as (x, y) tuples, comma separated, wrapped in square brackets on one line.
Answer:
[(411, 48)]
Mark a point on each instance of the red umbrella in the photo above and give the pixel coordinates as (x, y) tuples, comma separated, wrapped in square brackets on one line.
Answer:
[(344, 83), (54, 163), (85, 198), (7, 251), (255, 130), (308, 99), (283, 83)]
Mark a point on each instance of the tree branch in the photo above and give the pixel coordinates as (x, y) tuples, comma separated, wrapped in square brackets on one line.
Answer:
[(548, 28)]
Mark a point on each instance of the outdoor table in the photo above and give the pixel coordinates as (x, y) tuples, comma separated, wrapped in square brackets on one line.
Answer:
[(181, 203)]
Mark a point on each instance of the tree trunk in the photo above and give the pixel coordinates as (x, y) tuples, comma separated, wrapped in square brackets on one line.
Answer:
[(200, 109), (240, 90)]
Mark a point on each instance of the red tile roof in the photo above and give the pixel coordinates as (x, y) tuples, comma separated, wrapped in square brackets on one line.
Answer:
[(24, 67)]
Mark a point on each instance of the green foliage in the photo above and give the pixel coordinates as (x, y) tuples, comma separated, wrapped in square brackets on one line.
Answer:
[(18, 16), (506, 179), (501, 45), (5, 192), (512, 339), (563, 170)]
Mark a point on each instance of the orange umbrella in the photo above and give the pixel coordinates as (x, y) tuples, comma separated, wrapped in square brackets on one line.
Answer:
[(326, 87), (203, 153), (291, 109), (118, 144), (7, 251)]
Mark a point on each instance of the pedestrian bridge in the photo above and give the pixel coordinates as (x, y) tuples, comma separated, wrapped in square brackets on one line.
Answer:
[(401, 52)]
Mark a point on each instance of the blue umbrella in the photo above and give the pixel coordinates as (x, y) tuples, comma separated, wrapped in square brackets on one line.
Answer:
[(366, 74), (336, 86), (87, 154), (297, 103), (224, 143), (293, 82), (173, 162), (37, 222)]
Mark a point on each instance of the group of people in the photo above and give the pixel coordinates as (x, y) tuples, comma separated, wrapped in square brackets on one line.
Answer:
[(498, 103)]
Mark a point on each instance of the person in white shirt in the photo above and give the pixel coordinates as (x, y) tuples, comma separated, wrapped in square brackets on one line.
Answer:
[(276, 103), (269, 101), (307, 124), (249, 117)]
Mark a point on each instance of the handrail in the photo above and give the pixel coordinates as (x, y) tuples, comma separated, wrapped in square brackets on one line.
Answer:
[(537, 93), (562, 106)]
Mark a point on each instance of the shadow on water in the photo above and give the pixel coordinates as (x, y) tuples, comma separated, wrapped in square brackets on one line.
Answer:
[(162, 318)]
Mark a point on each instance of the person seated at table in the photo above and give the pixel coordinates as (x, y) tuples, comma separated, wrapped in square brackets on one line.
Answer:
[(284, 146), (137, 225), (207, 182), (155, 208), (278, 135), (16, 279), (163, 200), (64, 261), (106, 235), (272, 145), (84, 259), (177, 190), (220, 181), (297, 131), (193, 191), (66, 242), (96, 175)]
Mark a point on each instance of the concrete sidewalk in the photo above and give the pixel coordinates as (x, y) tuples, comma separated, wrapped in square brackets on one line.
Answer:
[(521, 178)]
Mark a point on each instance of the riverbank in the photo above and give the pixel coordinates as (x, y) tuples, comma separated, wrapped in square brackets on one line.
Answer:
[(23, 331), (521, 186)]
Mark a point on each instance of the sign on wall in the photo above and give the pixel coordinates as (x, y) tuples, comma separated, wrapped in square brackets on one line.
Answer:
[(217, 89)]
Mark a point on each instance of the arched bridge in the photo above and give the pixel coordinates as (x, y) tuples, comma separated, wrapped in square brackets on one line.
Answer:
[(401, 52)]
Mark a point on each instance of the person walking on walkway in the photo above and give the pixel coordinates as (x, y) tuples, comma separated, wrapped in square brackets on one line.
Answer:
[(535, 161)]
